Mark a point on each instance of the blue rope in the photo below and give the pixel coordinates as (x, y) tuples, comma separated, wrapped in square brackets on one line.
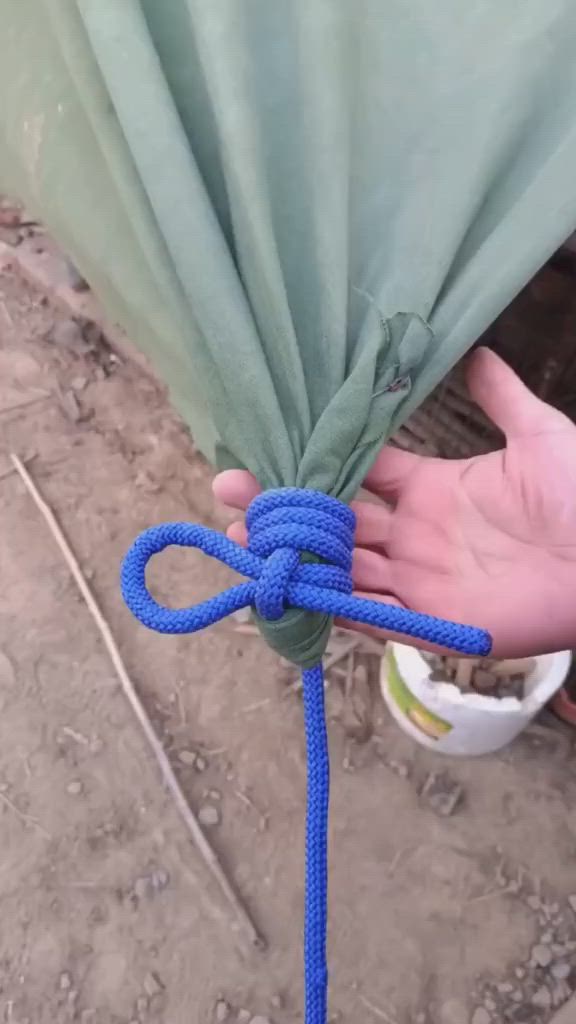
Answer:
[(317, 799), (282, 525)]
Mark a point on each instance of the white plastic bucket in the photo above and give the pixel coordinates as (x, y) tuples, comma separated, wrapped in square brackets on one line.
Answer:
[(443, 718)]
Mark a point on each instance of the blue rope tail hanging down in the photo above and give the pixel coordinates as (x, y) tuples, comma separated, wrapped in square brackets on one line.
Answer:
[(283, 525)]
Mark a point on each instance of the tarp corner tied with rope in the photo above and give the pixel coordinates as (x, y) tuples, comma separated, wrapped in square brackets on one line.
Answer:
[(304, 213), (283, 526)]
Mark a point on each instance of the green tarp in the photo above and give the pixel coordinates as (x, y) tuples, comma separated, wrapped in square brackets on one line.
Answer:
[(305, 211)]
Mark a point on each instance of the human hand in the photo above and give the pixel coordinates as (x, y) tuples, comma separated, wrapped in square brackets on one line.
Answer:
[(488, 541)]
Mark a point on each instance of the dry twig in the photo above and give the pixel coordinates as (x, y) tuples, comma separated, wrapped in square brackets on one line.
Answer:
[(257, 706), (26, 819), (25, 403), (12, 469), (169, 778), (4, 313), (248, 802), (376, 1010)]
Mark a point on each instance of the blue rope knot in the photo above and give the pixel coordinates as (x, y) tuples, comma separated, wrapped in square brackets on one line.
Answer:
[(283, 524), (285, 527)]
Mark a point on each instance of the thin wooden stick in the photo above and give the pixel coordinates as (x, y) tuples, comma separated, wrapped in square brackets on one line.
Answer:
[(25, 403), (26, 819), (6, 315), (376, 1010), (12, 469), (7, 472), (195, 830)]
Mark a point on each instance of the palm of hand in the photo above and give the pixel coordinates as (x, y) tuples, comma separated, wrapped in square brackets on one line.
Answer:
[(490, 541)]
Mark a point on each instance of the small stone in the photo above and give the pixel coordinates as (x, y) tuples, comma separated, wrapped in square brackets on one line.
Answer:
[(146, 481), (277, 1001), (221, 1011), (541, 955), (243, 1016), (561, 949), (152, 985), (505, 988), (188, 757), (572, 902), (65, 981), (200, 764), (453, 1012), (561, 991), (73, 278), (560, 971), (546, 938), (542, 998), (78, 383), (520, 973), (489, 1004), (143, 887), (160, 879), (74, 788), (481, 1016), (209, 816), (68, 334), (534, 903), (214, 794)]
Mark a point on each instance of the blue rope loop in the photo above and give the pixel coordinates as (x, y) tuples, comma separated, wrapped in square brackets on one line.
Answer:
[(283, 525)]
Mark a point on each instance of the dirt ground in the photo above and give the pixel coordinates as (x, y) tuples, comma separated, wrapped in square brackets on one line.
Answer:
[(108, 914)]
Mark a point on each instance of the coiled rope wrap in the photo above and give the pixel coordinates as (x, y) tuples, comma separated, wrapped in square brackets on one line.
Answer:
[(283, 525)]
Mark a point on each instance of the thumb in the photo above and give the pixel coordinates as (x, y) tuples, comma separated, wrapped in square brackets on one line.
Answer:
[(500, 393)]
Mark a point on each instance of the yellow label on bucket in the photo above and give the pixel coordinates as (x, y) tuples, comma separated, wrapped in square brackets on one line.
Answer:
[(424, 720)]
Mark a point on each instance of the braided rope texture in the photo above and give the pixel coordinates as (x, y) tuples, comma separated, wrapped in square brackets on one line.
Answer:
[(316, 888), (283, 525)]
